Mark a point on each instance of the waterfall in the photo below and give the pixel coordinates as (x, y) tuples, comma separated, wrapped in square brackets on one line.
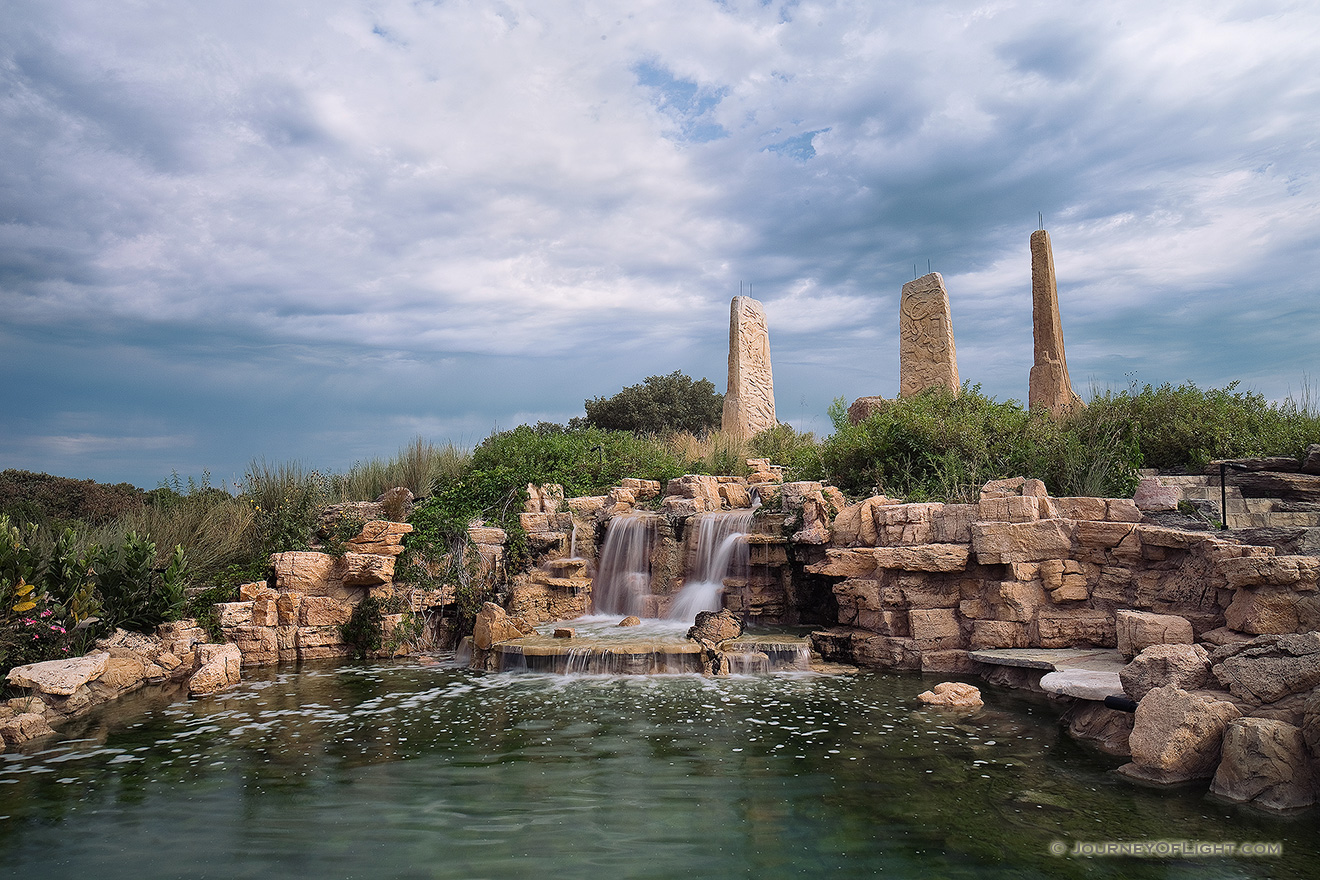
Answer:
[(624, 576), (721, 553)]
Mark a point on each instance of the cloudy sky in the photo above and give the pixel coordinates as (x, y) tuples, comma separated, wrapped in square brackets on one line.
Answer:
[(314, 231)]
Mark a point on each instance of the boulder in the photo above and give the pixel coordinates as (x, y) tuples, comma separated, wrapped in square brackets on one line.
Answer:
[(1084, 684), (302, 571), (1176, 736), (493, 626), (630, 620), (1138, 630), (953, 694), (380, 537), (1185, 666), (1001, 543), (1106, 729), (1265, 763), (219, 668), (923, 557), (60, 677), (1269, 668), (322, 611), (1311, 459), (364, 570), (713, 627), (1282, 571), (1273, 610), (1152, 495), (23, 727)]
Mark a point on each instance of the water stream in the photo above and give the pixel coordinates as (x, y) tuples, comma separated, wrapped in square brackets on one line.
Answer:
[(623, 577), (404, 770), (721, 553)]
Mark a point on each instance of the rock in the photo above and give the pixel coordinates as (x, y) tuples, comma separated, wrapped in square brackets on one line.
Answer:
[(1269, 668), (864, 407), (923, 557), (630, 620), (123, 674), (220, 667), (148, 647), (1266, 763), (1050, 387), (1311, 459), (233, 613), (1084, 684), (565, 632), (1273, 611), (322, 611), (487, 535), (1106, 729), (302, 571), (1152, 495), (493, 626), (380, 537), (364, 570), (749, 401), (23, 727), (1186, 666), (1299, 572), (60, 677), (1268, 484), (953, 694), (713, 627), (998, 543), (927, 357), (1138, 630), (1176, 736)]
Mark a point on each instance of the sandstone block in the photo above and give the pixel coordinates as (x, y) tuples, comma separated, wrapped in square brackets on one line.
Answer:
[(256, 644), (123, 673), (492, 626), (1019, 600), (1186, 666), (1176, 735), (1102, 535), (934, 624), (1270, 667), (886, 652), (1081, 509), (323, 611), (999, 634), (256, 589), (1058, 628), (713, 627), (1300, 572), (234, 613), (366, 569), (735, 496), (845, 563), (1266, 763), (1122, 510), (952, 524), (868, 594), (998, 543), (534, 522), (265, 610), (923, 557), (1003, 488), (1138, 630), (1152, 495), (59, 677), (1013, 509), (219, 668), (1273, 611), (926, 351), (301, 571), (380, 537), (487, 535), (288, 609), (23, 727)]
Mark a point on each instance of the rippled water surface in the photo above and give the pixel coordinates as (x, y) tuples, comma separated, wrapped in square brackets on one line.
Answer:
[(408, 770)]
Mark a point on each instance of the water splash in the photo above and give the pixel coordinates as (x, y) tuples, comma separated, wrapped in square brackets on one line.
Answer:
[(624, 579)]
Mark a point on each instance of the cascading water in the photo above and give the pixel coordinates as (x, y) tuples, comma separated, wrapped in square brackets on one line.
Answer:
[(721, 553), (624, 576)]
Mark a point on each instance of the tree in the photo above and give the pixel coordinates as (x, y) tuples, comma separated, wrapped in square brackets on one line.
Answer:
[(661, 403)]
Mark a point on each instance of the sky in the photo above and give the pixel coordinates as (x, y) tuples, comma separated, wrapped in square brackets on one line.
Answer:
[(239, 230)]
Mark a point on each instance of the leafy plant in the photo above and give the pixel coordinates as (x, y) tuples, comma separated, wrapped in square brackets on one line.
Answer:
[(660, 404), (134, 595), (365, 630)]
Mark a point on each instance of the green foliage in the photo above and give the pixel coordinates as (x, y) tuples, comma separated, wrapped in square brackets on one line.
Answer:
[(420, 466), (800, 453), (660, 404), (134, 595), (365, 630), (938, 445), (285, 501), (345, 528), (1188, 427), (201, 607), (34, 625)]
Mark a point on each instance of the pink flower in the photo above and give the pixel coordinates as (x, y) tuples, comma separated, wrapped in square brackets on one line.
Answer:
[(27, 621), (58, 629), (47, 613)]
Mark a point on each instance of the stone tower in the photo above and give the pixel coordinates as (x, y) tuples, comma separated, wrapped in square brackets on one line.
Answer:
[(926, 354), (749, 402), (1050, 387)]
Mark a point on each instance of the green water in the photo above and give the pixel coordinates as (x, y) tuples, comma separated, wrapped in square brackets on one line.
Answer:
[(412, 771)]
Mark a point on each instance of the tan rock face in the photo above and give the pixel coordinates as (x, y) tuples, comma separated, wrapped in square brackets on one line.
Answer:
[(493, 625), (713, 627), (954, 694), (926, 353), (749, 402), (220, 667), (1265, 762), (1050, 387), (302, 571), (60, 677), (1186, 666), (1176, 735), (1138, 630), (1269, 668)]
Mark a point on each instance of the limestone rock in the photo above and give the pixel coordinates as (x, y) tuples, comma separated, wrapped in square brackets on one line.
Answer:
[(23, 727), (631, 620), (1273, 611), (749, 401), (999, 543), (923, 557), (323, 611), (1106, 729), (1138, 630), (220, 668), (1050, 387), (60, 677), (364, 570), (1269, 668), (712, 627), (1311, 459), (953, 694), (1186, 666), (1300, 572), (1152, 495), (493, 626), (1176, 736), (927, 357), (381, 537), (1265, 762), (302, 571)]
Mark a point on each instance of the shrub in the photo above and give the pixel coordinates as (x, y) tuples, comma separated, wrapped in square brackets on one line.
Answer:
[(365, 630), (47, 500), (660, 404), (134, 595)]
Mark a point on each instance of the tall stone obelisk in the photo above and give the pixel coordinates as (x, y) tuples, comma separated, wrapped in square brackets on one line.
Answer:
[(1049, 386), (927, 357), (749, 402)]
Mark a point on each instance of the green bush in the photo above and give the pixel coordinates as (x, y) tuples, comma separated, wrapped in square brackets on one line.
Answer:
[(660, 404), (365, 630), (134, 595), (55, 501), (800, 454)]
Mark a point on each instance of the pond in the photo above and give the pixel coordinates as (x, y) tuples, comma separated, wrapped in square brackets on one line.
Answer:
[(415, 770)]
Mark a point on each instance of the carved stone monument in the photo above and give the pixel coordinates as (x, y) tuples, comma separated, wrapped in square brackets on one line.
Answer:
[(1049, 387), (926, 355), (749, 402)]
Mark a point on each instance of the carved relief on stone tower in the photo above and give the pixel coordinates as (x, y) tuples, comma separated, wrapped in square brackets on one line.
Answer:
[(926, 354), (749, 402)]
